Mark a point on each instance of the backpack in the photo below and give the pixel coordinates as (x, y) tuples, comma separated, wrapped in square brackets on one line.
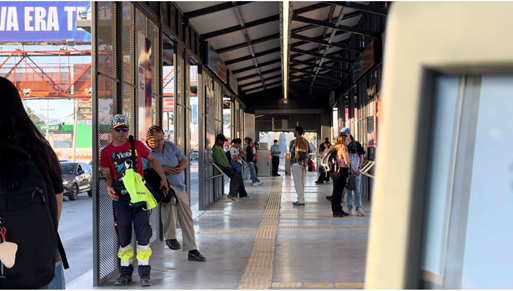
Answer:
[(28, 218), (228, 155), (329, 161), (301, 149)]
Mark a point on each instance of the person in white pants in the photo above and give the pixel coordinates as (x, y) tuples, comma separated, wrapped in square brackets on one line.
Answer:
[(298, 167)]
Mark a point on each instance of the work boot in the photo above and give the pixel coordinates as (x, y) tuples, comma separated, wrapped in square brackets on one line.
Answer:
[(195, 255), (173, 244), (123, 280), (145, 281)]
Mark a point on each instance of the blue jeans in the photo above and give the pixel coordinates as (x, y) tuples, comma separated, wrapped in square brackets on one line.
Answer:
[(357, 195), (245, 173), (58, 282), (252, 172)]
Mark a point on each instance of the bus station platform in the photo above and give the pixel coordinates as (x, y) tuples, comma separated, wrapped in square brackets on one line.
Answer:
[(264, 242)]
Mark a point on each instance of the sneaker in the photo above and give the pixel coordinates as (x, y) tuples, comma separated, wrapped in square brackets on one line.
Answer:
[(173, 244), (359, 212), (145, 281), (340, 214), (195, 255), (328, 198), (234, 199), (247, 196), (298, 204), (123, 280), (319, 182), (248, 181), (257, 183)]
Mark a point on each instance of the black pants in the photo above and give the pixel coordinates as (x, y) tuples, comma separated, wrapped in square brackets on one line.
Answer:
[(323, 176), (242, 188), (339, 183), (125, 216), (234, 181), (276, 163)]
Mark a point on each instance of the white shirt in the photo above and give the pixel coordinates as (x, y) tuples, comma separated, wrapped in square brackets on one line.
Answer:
[(235, 152)]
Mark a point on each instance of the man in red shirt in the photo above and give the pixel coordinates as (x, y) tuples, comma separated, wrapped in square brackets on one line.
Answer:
[(115, 159)]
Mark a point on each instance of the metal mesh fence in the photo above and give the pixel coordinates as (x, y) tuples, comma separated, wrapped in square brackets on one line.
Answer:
[(106, 44), (107, 258), (128, 43)]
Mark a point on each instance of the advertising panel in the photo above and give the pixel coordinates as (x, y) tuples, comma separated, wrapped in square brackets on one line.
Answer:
[(144, 81), (43, 21), (232, 82), (215, 63)]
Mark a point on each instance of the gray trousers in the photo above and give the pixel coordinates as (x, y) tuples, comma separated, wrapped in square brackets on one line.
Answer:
[(181, 212)]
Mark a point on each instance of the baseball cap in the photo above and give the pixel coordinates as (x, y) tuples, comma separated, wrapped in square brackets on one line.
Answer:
[(119, 120), (345, 130), (221, 136)]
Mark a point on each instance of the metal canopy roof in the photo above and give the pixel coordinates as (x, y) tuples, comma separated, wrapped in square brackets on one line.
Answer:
[(247, 37)]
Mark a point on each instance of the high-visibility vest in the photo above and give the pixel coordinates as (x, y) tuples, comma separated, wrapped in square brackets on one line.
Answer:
[(139, 194)]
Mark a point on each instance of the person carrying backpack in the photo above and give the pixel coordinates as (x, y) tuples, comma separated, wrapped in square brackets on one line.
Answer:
[(299, 148), (31, 190)]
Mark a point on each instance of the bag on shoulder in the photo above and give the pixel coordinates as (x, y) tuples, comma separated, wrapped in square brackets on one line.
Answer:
[(153, 180), (28, 218), (329, 161), (351, 182), (301, 150)]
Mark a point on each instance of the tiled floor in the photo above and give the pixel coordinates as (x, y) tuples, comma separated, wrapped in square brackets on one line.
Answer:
[(261, 244)]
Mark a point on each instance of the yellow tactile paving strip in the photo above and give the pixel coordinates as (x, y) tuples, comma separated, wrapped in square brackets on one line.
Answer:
[(324, 218), (318, 285), (259, 270), (227, 232)]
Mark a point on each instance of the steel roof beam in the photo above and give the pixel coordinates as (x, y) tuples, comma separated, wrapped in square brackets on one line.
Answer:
[(314, 74), (311, 8), (341, 45), (242, 59), (256, 75), (248, 41), (320, 23), (257, 82), (276, 36), (361, 7), (314, 65), (212, 9), (310, 81), (328, 56), (228, 30), (260, 65)]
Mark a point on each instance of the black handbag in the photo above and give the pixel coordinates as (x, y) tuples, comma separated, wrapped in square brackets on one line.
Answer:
[(153, 179), (351, 181)]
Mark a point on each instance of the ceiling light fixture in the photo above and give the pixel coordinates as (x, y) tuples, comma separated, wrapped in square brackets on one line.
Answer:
[(285, 36)]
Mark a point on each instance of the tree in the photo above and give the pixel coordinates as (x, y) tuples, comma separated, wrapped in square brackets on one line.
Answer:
[(35, 119)]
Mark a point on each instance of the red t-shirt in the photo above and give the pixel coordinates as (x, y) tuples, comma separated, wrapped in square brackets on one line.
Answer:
[(119, 158)]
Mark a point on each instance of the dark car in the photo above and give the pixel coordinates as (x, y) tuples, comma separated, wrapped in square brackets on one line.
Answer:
[(194, 155), (76, 178)]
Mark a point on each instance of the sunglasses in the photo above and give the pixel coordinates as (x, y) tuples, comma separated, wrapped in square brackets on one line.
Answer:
[(121, 128)]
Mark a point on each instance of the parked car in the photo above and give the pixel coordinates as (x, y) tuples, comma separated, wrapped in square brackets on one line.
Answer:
[(76, 178), (194, 155)]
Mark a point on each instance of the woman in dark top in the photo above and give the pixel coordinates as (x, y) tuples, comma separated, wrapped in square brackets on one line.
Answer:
[(16, 128)]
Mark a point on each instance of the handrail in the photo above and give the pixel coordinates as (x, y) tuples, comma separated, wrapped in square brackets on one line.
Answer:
[(216, 176)]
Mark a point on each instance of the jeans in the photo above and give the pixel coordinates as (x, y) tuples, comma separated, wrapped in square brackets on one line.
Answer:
[(298, 173), (245, 173), (357, 195), (234, 181), (339, 182), (252, 171), (58, 282)]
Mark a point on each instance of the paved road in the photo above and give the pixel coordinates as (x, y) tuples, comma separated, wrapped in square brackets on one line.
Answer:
[(75, 229)]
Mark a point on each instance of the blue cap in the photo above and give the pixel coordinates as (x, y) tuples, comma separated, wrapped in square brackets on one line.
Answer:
[(345, 130)]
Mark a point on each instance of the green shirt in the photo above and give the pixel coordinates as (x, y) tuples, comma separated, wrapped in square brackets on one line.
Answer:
[(219, 157)]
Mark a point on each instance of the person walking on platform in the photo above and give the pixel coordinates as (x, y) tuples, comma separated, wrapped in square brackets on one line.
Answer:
[(220, 159), (250, 157), (341, 167), (245, 170), (174, 162), (275, 152), (236, 162), (299, 148), (116, 158)]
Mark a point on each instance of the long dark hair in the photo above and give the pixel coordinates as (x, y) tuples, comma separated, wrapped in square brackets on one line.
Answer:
[(16, 128)]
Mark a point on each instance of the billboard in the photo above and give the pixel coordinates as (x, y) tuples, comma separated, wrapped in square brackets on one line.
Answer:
[(42, 21)]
